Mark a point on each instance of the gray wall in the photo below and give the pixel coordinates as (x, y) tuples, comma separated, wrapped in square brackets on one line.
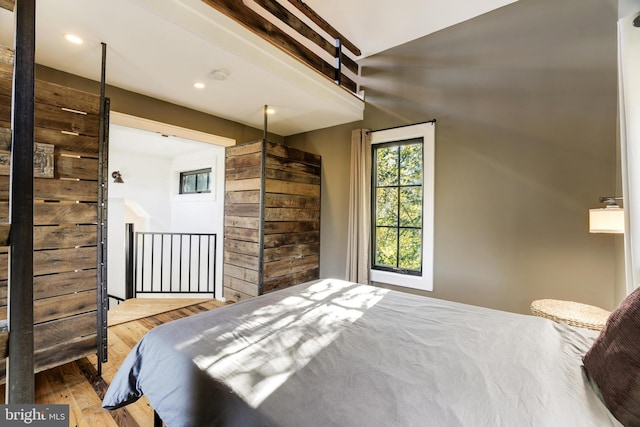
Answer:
[(525, 102), (334, 146)]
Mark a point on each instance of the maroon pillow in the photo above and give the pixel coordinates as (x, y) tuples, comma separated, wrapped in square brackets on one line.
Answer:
[(613, 361)]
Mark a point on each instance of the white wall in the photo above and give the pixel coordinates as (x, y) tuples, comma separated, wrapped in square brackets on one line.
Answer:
[(198, 212), (147, 181), (147, 186), (150, 165), (115, 247), (201, 213), (629, 97), (628, 7)]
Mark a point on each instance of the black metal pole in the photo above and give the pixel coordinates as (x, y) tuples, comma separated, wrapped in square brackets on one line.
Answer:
[(264, 130), (338, 67), (103, 156), (157, 421), (129, 251), (215, 251), (20, 364)]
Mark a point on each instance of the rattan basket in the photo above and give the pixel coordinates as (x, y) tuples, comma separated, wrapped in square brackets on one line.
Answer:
[(571, 313)]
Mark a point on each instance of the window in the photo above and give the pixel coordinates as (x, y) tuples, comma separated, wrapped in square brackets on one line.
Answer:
[(397, 206), (402, 206), (197, 181)]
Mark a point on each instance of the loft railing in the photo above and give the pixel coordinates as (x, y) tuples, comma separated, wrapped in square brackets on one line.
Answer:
[(113, 300), (274, 13), (173, 263)]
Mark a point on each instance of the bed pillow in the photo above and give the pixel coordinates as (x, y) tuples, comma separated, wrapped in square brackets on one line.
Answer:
[(613, 361)]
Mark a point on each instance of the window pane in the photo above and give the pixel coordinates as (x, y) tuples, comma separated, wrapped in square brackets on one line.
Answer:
[(387, 166), (203, 181), (410, 249), (387, 207), (189, 184), (386, 246), (411, 164), (411, 207)]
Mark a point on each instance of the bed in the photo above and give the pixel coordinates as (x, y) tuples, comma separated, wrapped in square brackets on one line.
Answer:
[(336, 353)]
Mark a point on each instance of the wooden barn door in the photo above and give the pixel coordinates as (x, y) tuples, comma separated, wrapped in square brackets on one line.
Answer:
[(67, 299)]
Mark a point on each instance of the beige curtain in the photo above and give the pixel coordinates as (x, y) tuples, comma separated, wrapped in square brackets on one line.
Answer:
[(358, 247)]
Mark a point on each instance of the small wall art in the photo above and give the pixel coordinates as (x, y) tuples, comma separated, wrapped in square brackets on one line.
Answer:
[(43, 160)]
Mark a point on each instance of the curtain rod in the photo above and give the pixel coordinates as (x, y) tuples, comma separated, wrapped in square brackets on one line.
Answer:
[(402, 126)]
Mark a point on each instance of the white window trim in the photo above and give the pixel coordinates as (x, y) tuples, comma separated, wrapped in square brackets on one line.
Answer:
[(426, 131)]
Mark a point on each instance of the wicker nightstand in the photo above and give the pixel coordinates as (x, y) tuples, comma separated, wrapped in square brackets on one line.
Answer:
[(571, 313)]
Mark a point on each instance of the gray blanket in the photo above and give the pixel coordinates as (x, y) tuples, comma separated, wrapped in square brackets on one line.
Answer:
[(334, 353)]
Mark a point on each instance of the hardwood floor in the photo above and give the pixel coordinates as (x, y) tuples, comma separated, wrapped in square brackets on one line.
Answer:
[(78, 385)]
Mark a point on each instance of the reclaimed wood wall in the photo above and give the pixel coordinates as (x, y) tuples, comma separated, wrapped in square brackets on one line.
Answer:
[(272, 219), (65, 220)]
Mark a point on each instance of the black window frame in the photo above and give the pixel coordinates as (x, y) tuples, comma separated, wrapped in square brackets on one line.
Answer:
[(196, 172), (374, 187)]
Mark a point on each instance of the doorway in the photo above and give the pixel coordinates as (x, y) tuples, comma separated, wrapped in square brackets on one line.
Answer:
[(146, 167)]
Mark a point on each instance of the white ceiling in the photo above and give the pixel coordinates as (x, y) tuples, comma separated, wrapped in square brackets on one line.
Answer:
[(160, 48), (377, 25)]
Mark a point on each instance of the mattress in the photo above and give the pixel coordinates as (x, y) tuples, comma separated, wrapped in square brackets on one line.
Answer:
[(336, 353)]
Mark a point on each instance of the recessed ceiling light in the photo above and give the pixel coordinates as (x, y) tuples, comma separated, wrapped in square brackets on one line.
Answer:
[(73, 38), (198, 85)]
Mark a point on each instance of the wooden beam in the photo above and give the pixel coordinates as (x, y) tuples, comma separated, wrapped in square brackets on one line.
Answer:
[(251, 20), (283, 14), (311, 14), (20, 372), (8, 4)]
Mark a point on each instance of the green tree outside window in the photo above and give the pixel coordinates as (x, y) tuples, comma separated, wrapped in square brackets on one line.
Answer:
[(397, 204)]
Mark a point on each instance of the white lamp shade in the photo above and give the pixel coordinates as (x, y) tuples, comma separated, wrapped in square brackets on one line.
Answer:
[(606, 220)]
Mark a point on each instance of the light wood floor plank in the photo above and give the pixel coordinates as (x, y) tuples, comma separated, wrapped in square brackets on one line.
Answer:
[(42, 389), (118, 350), (61, 394), (87, 401), (136, 308), (127, 334)]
